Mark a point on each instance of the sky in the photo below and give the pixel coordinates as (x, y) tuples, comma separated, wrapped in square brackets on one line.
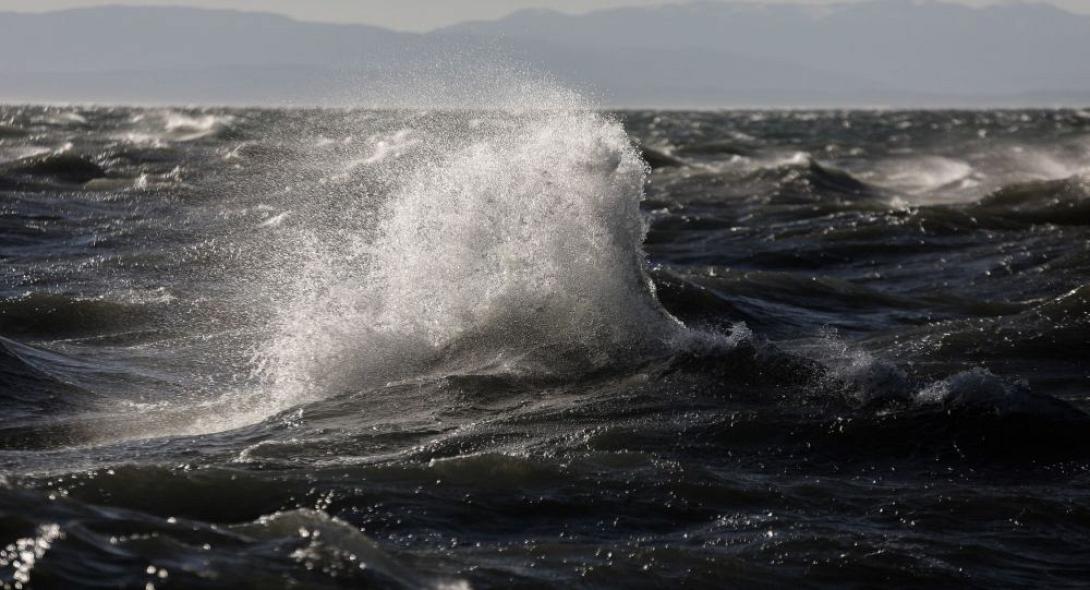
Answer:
[(410, 15)]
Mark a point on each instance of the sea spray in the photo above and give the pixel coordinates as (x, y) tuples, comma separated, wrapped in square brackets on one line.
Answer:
[(509, 241), (919, 446)]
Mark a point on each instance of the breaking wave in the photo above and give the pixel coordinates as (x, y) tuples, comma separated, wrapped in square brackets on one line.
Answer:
[(512, 244)]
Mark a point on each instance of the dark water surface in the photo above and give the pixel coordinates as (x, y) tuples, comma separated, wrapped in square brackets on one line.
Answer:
[(326, 349)]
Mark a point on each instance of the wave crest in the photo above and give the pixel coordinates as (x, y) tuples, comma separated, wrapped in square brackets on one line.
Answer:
[(512, 244)]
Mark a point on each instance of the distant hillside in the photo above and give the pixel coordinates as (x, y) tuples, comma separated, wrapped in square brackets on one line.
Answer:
[(888, 52), (920, 47)]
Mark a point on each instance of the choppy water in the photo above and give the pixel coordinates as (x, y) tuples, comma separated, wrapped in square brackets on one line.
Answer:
[(324, 349)]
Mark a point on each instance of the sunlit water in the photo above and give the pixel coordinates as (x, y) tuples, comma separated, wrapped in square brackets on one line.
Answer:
[(494, 348)]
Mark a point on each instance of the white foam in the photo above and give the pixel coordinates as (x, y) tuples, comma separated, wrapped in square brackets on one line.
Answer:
[(11, 154), (919, 176), (858, 374), (977, 387), (275, 220), (168, 126), (509, 245), (187, 125), (944, 179), (331, 542), (392, 146)]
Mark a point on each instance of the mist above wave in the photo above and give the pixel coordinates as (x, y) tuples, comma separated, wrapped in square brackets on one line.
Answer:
[(506, 240)]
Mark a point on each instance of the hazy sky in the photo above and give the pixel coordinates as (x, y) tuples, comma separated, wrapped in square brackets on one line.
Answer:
[(414, 15)]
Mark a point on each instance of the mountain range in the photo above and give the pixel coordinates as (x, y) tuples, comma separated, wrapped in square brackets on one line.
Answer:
[(698, 54)]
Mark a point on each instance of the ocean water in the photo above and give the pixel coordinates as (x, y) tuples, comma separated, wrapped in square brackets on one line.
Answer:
[(543, 347)]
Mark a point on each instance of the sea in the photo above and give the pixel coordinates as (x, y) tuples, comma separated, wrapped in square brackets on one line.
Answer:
[(544, 346)]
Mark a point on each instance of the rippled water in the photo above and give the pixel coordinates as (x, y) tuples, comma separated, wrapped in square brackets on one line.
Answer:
[(323, 349)]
